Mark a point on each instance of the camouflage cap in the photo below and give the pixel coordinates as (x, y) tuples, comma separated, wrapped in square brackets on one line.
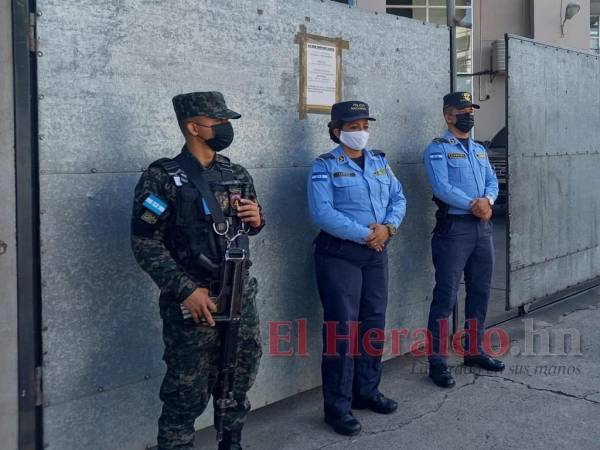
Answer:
[(210, 104)]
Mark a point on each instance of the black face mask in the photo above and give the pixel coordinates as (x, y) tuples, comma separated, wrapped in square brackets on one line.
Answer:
[(464, 122), (223, 137)]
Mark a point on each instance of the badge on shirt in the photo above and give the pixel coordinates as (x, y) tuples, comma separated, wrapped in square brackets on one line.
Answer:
[(344, 174), (481, 155), (457, 155), (341, 159), (379, 172), (149, 217), (155, 205), (319, 176), (436, 156)]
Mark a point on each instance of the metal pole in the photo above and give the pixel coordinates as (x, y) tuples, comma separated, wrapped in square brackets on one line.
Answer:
[(451, 13), (450, 10), (28, 271)]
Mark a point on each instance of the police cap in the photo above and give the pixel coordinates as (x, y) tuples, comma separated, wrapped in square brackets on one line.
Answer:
[(459, 100)]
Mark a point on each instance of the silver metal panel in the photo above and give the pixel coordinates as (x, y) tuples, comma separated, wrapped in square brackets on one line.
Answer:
[(554, 161), (107, 74), (9, 383)]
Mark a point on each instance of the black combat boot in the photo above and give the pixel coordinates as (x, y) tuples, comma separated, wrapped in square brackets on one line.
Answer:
[(232, 440)]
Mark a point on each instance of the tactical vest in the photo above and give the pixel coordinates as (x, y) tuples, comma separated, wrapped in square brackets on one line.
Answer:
[(190, 235)]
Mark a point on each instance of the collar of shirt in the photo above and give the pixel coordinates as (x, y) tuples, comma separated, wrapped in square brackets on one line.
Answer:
[(454, 141), (342, 158)]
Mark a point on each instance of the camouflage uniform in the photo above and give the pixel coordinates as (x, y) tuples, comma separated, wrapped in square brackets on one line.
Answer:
[(192, 352)]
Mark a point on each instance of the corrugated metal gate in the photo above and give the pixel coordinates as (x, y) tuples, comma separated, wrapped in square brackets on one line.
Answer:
[(107, 72), (553, 105)]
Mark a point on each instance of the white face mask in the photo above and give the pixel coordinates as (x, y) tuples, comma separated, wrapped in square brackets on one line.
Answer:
[(356, 140)]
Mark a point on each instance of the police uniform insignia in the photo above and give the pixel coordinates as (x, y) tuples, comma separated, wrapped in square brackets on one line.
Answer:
[(155, 205), (344, 174), (457, 155), (466, 96), (149, 217), (452, 141), (319, 176), (341, 159), (481, 155), (436, 156), (379, 172)]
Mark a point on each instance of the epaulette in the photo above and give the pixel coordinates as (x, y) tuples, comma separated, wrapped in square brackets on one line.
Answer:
[(377, 153), (441, 140), (326, 156), (484, 144), (169, 165), (223, 160)]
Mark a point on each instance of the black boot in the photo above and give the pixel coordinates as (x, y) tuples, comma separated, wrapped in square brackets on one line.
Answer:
[(232, 440)]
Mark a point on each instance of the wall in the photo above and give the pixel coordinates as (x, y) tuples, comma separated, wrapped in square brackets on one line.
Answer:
[(107, 75), (8, 272), (373, 5), (546, 24), (492, 19), (554, 163)]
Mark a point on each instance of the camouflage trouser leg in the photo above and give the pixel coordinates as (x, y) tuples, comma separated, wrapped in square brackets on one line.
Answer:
[(192, 355)]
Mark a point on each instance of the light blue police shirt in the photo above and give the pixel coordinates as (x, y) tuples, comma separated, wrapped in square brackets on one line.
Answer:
[(459, 175), (344, 199)]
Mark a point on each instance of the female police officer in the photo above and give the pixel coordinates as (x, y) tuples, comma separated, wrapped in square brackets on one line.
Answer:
[(358, 203)]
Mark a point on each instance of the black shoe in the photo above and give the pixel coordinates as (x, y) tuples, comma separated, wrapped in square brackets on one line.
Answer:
[(441, 376), (232, 440), (485, 362), (346, 424), (379, 404)]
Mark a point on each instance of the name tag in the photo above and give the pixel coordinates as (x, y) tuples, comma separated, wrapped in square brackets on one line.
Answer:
[(155, 204), (344, 174), (457, 155)]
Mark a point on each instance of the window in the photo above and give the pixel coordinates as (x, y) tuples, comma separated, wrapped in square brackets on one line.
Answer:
[(435, 11), (595, 33)]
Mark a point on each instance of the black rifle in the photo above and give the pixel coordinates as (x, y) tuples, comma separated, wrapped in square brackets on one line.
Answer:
[(229, 303)]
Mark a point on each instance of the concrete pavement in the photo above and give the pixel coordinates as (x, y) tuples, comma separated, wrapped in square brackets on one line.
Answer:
[(539, 402)]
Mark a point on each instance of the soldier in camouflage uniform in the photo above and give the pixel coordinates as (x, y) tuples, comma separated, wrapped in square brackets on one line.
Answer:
[(172, 230)]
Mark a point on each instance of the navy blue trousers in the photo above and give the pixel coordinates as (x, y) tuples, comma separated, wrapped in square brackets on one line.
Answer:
[(353, 282), (461, 246)]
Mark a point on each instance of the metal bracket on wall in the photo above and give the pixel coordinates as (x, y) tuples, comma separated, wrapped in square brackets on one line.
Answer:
[(3, 247), (32, 33)]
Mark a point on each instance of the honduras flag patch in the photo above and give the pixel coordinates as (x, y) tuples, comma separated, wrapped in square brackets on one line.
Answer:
[(155, 205)]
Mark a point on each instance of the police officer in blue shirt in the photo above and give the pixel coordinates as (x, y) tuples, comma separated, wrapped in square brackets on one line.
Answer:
[(464, 187), (358, 203)]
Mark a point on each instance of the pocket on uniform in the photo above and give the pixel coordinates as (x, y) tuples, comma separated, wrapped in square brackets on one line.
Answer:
[(346, 189), (384, 188), (458, 162)]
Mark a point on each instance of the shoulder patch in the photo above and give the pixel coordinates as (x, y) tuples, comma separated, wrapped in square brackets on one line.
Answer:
[(326, 156), (436, 156), (319, 176), (441, 140), (155, 205)]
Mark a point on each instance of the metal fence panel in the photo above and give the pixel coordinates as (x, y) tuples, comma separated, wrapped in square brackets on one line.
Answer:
[(107, 72), (553, 109)]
